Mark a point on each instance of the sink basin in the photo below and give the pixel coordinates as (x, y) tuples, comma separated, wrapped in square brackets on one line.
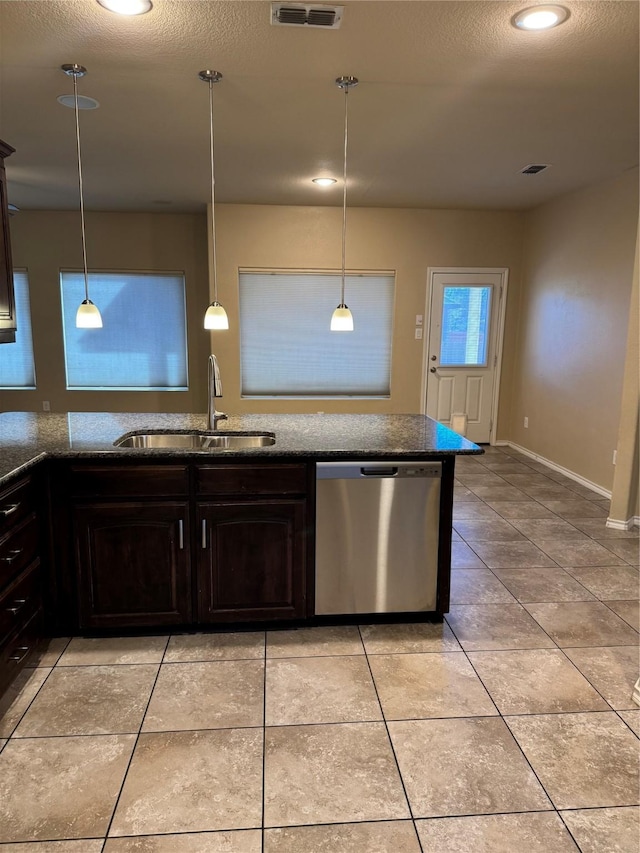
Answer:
[(194, 440)]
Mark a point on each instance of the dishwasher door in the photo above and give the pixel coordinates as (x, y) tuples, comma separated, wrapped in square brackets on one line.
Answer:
[(377, 536)]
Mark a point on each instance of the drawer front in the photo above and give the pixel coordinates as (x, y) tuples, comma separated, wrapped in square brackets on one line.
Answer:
[(19, 648), (120, 481), (16, 501), (18, 548), (214, 480), (20, 601)]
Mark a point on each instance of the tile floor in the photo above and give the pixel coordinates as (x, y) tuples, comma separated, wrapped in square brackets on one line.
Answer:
[(510, 726)]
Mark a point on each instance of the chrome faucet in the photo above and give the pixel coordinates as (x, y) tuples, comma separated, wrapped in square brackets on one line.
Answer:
[(214, 385)]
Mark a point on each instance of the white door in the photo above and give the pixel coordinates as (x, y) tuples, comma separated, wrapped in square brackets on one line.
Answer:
[(462, 353)]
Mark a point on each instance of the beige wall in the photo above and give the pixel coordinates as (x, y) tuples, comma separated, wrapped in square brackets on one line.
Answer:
[(46, 241), (572, 339)]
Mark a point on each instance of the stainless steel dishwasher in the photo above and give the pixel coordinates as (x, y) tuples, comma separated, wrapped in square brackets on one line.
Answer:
[(377, 536)]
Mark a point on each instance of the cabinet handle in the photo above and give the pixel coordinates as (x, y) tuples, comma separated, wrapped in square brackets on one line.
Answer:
[(9, 510), (181, 535), (18, 604), (13, 558), (204, 533), (20, 654)]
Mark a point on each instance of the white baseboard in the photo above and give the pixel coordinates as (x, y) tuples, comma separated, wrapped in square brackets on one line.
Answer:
[(567, 473), (619, 524)]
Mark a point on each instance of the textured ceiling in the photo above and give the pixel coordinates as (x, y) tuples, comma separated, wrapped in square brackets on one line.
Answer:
[(453, 101)]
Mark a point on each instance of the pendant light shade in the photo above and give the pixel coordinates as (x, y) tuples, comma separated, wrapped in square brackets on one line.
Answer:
[(342, 319), (88, 316), (215, 316)]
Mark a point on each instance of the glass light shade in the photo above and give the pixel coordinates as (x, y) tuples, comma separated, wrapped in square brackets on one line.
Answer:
[(127, 7), (324, 182), (216, 317), (88, 316), (342, 319), (540, 17)]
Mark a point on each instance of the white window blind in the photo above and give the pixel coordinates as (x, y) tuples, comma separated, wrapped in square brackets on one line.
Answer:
[(17, 369), (142, 345), (287, 349)]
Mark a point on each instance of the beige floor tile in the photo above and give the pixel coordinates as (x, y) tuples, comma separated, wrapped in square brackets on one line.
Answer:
[(90, 700), (551, 491), (477, 586), (461, 494), (540, 681), (484, 627), (192, 782), (207, 695), (583, 760), (574, 508), (566, 552), (499, 493), (50, 652), (331, 774), (19, 696), (474, 509), (455, 537), (511, 555), (466, 766), (609, 583), (339, 640), (543, 585), (462, 557), (584, 491), (582, 623), (610, 830), (627, 549), (320, 690), (184, 648), (520, 509), (501, 467), (480, 478), (84, 845), (86, 651), (528, 478), (239, 841), (409, 638), (61, 787), (628, 610), (597, 529), (632, 719), (395, 836), (548, 528), (483, 529), (535, 832), (2, 743), (429, 685), (613, 671)]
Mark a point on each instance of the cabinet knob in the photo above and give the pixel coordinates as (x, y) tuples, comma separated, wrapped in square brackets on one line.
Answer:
[(18, 604), (14, 556), (20, 654), (9, 510)]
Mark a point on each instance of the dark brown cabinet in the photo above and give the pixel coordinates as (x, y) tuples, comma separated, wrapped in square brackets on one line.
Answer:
[(7, 301), (133, 564)]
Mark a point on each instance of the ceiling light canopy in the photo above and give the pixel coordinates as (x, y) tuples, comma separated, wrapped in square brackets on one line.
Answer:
[(540, 17), (324, 182), (127, 7)]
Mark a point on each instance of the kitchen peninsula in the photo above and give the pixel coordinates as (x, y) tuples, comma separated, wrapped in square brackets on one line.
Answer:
[(99, 538)]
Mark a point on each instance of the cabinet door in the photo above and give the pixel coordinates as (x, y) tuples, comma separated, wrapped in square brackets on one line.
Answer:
[(251, 561), (133, 564)]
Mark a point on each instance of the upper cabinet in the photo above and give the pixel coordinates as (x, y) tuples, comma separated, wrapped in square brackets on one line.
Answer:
[(7, 302)]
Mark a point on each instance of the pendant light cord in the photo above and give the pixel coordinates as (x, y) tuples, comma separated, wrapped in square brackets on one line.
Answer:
[(344, 189), (81, 187), (213, 206)]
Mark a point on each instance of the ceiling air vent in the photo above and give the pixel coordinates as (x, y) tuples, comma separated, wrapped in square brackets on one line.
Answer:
[(303, 15), (534, 169)]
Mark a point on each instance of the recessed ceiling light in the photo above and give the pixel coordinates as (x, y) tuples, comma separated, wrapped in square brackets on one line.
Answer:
[(127, 7), (84, 102), (324, 182), (540, 17)]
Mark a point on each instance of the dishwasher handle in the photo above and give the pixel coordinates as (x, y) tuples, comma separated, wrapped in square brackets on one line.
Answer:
[(379, 472)]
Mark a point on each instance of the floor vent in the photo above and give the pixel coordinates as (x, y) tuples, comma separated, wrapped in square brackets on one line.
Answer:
[(303, 15), (534, 169)]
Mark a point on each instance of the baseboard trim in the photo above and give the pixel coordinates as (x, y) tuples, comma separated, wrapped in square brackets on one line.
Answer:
[(619, 524), (559, 468)]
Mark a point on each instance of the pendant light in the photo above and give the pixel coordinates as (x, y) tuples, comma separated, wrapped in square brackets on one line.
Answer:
[(88, 315), (215, 316), (342, 319)]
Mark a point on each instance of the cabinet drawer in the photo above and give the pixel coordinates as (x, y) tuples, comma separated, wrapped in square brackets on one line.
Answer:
[(20, 601), (18, 548), (129, 481), (19, 648), (213, 480), (16, 501)]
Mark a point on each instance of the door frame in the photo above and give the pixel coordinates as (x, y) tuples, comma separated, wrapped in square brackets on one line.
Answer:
[(503, 272)]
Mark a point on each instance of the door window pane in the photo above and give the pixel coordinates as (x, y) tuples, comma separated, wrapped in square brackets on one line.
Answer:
[(16, 359), (142, 345), (465, 326)]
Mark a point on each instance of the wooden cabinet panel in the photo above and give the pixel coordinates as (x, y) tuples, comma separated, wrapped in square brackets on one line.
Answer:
[(16, 501), (251, 562), (133, 564), (128, 481), (7, 301), (20, 600), (18, 548), (251, 479)]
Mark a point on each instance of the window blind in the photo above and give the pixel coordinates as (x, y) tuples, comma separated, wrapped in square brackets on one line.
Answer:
[(17, 369), (287, 349)]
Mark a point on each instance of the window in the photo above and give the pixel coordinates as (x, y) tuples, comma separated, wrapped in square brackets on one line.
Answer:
[(287, 349), (142, 345), (17, 369), (465, 326)]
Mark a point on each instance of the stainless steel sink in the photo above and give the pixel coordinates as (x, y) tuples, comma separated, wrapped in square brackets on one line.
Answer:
[(194, 440)]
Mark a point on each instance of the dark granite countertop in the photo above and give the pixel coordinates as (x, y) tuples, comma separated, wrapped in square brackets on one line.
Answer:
[(28, 437)]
